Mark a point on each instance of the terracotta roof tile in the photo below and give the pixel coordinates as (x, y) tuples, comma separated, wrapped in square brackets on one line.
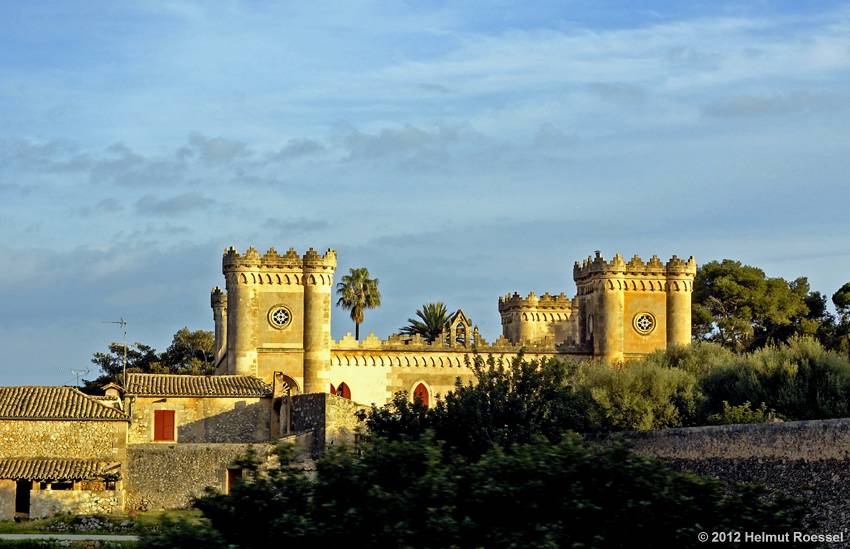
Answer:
[(29, 402), (180, 385), (56, 469)]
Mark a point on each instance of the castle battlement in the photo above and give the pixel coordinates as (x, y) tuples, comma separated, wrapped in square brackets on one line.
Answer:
[(218, 298), (272, 260), (512, 302), (419, 344), (634, 267)]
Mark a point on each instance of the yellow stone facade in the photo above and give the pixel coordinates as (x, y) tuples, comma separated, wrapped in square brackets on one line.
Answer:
[(275, 319)]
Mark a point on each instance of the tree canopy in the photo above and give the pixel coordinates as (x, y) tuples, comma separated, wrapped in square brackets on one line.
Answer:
[(190, 352), (433, 319), (741, 308), (357, 292)]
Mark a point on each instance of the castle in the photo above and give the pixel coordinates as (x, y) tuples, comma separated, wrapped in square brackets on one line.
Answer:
[(158, 439), (275, 319)]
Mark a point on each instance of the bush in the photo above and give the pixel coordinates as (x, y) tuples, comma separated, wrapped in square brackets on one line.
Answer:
[(410, 493), (640, 396), (800, 380), (511, 402), (744, 413)]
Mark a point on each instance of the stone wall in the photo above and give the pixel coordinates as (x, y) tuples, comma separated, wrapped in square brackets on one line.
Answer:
[(330, 418), (8, 489), (104, 440), (204, 419), (167, 476), (805, 459), (45, 503)]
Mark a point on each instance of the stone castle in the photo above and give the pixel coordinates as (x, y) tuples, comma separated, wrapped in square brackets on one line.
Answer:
[(275, 319), (158, 439)]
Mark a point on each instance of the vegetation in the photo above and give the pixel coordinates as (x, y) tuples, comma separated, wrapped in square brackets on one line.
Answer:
[(741, 308), (696, 385), (190, 352), (357, 292), (432, 322), (490, 466)]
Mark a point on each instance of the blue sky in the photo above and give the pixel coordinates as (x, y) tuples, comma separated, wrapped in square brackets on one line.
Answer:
[(458, 150)]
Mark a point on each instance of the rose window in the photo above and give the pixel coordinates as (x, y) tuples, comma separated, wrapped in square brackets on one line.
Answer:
[(280, 317), (644, 323)]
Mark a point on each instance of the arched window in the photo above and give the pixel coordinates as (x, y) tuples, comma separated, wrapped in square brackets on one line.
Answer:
[(343, 391), (333, 389), (420, 393), (460, 334)]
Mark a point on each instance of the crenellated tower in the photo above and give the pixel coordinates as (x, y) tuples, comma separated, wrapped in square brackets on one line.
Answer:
[(533, 319), (632, 308), (278, 309)]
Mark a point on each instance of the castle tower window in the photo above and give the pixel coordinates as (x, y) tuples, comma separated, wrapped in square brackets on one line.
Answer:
[(163, 425), (420, 393), (343, 391), (644, 323)]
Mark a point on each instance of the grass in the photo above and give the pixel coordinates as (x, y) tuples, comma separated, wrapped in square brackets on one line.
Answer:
[(112, 523)]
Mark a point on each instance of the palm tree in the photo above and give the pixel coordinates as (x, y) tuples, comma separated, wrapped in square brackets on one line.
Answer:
[(357, 292), (434, 318)]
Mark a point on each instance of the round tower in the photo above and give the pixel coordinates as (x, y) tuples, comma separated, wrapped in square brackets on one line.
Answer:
[(318, 280), (609, 337), (680, 285), (241, 272), (218, 301)]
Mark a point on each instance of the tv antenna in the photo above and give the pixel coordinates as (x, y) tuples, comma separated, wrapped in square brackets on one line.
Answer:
[(78, 374), (123, 323)]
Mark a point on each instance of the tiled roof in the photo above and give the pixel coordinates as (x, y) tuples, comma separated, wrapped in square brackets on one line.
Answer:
[(31, 402), (213, 386), (56, 469)]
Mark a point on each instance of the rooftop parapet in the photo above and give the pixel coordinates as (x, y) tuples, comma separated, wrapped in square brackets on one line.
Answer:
[(251, 259), (546, 301), (635, 266), (417, 343)]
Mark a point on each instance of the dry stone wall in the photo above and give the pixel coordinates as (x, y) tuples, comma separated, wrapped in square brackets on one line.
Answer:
[(804, 459)]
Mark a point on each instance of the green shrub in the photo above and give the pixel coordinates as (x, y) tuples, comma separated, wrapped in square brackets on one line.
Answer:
[(741, 414), (410, 493), (640, 396), (800, 380), (698, 358)]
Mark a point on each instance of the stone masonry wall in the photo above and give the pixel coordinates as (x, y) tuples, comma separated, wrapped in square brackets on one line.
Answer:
[(167, 476), (105, 440), (329, 417), (204, 419), (44, 503), (804, 459), (8, 489)]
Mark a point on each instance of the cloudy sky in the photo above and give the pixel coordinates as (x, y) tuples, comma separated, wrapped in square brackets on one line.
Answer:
[(457, 150)]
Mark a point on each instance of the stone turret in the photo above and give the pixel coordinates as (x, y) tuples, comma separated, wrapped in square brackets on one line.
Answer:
[(218, 302), (318, 284)]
